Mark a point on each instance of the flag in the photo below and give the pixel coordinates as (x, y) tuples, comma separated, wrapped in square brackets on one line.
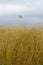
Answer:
[(20, 17)]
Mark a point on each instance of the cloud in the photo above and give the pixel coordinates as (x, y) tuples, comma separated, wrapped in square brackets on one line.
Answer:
[(29, 7), (32, 10), (11, 9)]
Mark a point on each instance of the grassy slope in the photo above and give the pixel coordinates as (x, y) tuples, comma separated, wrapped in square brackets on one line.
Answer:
[(21, 46)]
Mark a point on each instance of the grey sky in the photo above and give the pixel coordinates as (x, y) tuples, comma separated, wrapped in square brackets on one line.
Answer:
[(31, 10)]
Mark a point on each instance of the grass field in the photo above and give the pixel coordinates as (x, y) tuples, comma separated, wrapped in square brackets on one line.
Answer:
[(21, 46)]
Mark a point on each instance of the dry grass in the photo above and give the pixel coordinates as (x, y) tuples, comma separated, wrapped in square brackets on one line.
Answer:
[(21, 46)]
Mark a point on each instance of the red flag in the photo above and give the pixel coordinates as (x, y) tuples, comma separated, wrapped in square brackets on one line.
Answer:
[(20, 17)]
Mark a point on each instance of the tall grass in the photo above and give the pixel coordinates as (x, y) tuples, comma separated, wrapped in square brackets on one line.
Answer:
[(21, 46)]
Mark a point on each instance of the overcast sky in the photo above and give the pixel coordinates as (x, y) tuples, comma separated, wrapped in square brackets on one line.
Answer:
[(31, 10)]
